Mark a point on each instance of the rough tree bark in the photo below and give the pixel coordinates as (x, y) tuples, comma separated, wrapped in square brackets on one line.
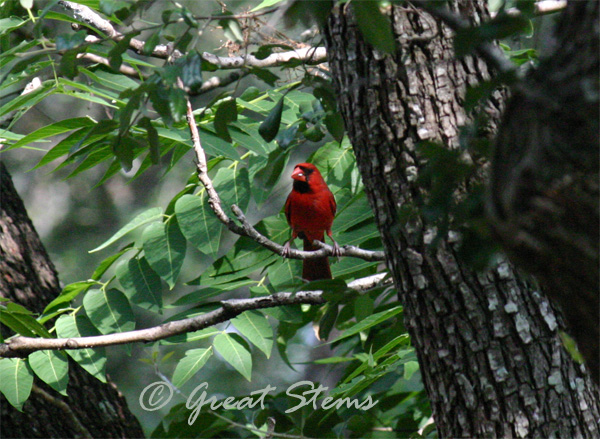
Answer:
[(544, 201), (488, 345), (28, 277)]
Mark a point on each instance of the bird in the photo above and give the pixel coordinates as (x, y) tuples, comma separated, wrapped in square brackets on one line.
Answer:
[(310, 208)]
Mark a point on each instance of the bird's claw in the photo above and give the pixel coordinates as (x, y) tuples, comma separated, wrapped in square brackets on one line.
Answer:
[(337, 251), (286, 250)]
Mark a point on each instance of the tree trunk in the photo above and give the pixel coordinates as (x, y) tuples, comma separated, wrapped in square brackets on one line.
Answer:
[(488, 345), (28, 277), (544, 201)]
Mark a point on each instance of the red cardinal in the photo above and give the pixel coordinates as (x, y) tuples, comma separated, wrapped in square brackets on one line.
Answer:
[(310, 209)]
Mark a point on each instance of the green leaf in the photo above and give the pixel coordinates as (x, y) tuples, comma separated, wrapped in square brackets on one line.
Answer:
[(314, 133), (68, 63), (9, 24), (328, 320), (177, 103), (16, 380), (236, 352), (266, 4), (231, 29), (110, 80), (255, 327), (150, 215), (190, 364), (335, 125), (190, 336), (226, 113), (270, 126), (92, 360), (374, 25), (233, 186), (334, 161), (410, 367), (265, 75), (363, 307), (164, 248), (151, 43), (571, 347), (98, 153), (245, 257), (28, 100), (115, 55), (266, 172), (285, 273), (153, 142), (52, 367), (267, 49), (246, 135), (76, 141), (191, 71), (20, 320), (106, 263), (140, 283), (68, 293), (198, 223), (15, 323), (109, 311), (53, 130), (354, 212), (250, 94), (70, 40), (199, 296), (110, 7), (369, 322)]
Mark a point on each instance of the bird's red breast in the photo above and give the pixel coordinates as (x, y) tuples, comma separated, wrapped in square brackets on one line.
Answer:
[(310, 209)]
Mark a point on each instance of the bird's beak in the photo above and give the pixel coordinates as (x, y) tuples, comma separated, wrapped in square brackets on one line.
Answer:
[(298, 174)]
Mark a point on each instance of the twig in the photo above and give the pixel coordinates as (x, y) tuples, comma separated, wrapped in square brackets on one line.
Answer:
[(487, 50), (241, 16), (246, 229), (23, 346)]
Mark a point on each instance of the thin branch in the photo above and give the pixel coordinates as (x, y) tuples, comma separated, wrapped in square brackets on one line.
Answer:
[(486, 49), (246, 229), (311, 55), (208, 85), (23, 346), (308, 55)]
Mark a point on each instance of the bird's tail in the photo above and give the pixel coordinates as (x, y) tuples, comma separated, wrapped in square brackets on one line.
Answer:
[(315, 269)]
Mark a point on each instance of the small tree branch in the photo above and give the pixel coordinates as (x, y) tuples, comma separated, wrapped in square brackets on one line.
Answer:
[(23, 346), (246, 229), (310, 55)]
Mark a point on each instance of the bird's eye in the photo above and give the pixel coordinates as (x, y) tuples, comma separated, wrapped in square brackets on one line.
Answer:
[(300, 174)]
